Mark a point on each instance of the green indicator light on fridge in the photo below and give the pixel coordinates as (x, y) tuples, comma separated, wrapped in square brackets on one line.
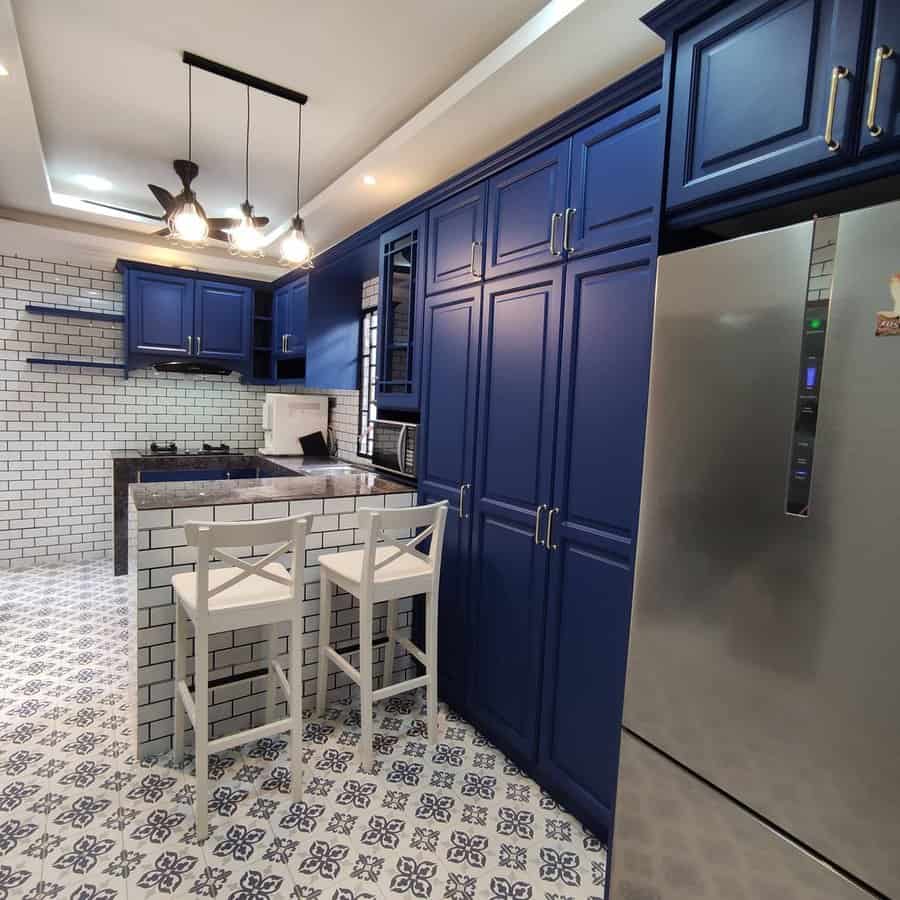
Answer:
[(815, 324)]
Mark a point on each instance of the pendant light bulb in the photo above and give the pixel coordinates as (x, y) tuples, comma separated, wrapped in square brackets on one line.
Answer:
[(187, 224), (246, 239), (295, 249)]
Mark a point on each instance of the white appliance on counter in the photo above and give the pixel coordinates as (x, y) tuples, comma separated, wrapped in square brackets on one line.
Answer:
[(288, 417)]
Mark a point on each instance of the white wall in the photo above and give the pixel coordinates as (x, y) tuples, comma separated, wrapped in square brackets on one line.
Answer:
[(60, 426)]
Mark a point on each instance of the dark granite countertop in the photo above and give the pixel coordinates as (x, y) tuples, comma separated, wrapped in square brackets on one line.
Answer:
[(319, 479)]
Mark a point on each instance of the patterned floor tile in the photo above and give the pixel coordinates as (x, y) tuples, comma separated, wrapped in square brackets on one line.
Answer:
[(80, 819)]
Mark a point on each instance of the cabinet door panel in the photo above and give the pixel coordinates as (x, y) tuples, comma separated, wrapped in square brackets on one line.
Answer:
[(291, 314), (885, 33), (616, 176), (516, 424), (521, 202), (160, 313), (446, 461), (222, 320), (400, 306), (456, 240), (751, 92), (603, 386)]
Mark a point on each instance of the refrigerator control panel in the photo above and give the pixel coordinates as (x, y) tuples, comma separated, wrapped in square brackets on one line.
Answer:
[(804, 439)]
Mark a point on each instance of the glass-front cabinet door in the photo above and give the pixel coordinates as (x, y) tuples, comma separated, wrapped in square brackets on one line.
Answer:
[(400, 302)]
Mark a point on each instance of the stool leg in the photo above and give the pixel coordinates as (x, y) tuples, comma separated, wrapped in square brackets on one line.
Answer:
[(365, 683), (272, 648), (431, 656), (296, 703), (180, 675), (201, 732), (324, 640), (390, 646)]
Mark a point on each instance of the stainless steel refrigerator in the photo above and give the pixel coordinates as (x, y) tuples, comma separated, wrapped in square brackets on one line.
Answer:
[(760, 755)]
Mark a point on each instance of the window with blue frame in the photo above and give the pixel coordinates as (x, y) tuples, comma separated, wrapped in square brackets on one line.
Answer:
[(367, 355)]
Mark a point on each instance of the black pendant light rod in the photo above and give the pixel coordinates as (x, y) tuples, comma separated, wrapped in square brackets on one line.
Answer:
[(251, 81), (247, 155)]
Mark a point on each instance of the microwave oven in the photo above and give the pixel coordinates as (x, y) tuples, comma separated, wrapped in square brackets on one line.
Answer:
[(394, 447)]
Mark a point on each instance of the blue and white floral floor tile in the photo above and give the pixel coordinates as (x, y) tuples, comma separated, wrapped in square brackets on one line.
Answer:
[(80, 819)]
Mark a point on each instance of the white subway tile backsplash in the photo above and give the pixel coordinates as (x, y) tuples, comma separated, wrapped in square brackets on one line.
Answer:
[(61, 427)]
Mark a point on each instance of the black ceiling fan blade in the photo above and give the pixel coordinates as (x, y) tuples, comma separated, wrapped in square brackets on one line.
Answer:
[(124, 209), (163, 197), (218, 235), (222, 223), (259, 221), (163, 232)]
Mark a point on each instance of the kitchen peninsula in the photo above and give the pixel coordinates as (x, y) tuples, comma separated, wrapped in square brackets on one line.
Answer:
[(157, 551)]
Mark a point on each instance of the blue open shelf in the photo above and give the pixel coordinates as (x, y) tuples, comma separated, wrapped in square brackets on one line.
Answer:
[(83, 363), (73, 313)]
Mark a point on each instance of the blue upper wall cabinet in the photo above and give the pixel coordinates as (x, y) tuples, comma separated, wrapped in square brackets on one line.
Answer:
[(222, 320), (525, 210), (401, 298), (456, 240), (160, 313), (880, 128), (755, 87), (446, 460), (291, 312), (615, 195)]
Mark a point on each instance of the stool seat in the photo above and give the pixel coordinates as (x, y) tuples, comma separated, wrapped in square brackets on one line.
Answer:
[(251, 593), (391, 564)]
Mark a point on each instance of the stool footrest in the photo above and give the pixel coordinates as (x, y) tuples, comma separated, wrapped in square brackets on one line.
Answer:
[(408, 685), (251, 734), (282, 679), (186, 699), (342, 663), (412, 649), (354, 648)]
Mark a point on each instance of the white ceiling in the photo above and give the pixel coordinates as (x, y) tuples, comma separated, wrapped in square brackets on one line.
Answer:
[(410, 93)]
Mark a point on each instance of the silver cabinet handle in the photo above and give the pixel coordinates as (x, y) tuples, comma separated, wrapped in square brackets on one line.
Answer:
[(881, 54), (198, 345), (472, 270), (567, 227), (837, 73), (550, 516), (190, 345), (462, 498), (537, 523), (553, 220)]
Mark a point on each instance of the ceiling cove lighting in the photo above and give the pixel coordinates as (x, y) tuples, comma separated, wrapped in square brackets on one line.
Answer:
[(92, 182), (246, 238), (295, 248)]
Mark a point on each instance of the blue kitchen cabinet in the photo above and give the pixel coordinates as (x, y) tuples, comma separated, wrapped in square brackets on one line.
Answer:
[(401, 298), (456, 240), (159, 313), (514, 460), (602, 402), (880, 130), (526, 205), (753, 89), (616, 170), (291, 313), (446, 459), (222, 320)]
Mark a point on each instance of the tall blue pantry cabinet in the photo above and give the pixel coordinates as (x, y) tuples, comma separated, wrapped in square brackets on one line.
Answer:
[(535, 361)]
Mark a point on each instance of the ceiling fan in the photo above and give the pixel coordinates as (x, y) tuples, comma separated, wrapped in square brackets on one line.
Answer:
[(187, 171)]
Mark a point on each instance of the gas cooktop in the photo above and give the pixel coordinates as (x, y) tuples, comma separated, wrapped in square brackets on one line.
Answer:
[(171, 449)]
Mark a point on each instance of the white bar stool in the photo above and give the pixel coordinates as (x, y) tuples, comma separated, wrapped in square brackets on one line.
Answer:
[(385, 570), (243, 595)]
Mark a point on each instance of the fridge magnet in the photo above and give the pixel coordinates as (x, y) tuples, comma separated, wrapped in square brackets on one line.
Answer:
[(888, 323)]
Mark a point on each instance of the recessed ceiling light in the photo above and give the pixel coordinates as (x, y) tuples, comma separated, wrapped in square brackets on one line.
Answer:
[(369, 179), (92, 182), (3, 71)]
